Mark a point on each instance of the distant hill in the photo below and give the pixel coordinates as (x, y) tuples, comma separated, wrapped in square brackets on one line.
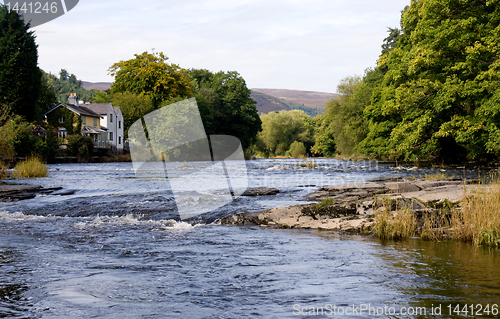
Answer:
[(268, 100), (308, 99), (267, 103), (101, 86)]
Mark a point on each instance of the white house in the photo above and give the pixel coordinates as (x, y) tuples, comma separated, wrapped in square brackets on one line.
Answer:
[(111, 122)]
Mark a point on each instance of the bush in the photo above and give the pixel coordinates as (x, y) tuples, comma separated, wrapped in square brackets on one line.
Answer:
[(3, 170), (297, 150), (81, 147), (30, 168)]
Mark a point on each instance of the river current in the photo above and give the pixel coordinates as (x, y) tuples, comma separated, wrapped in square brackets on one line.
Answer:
[(117, 248)]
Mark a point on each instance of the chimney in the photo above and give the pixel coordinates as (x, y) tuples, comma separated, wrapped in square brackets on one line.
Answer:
[(73, 99)]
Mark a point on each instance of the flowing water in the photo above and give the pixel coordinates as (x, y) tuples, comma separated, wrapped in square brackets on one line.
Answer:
[(116, 248)]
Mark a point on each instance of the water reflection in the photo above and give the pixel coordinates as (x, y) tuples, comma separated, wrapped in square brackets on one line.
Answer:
[(447, 273)]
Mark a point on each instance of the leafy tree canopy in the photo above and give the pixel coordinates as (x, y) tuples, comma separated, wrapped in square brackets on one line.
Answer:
[(19, 73), (225, 104), (440, 96), (150, 74), (65, 85), (281, 129)]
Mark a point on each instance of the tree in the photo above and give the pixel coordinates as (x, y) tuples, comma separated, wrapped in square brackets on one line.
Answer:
[(439, 97), (343, 120), (19, 73), (150, 74), (63, 75), (225, 104), (133, 107), (46, 99), (281, 129)]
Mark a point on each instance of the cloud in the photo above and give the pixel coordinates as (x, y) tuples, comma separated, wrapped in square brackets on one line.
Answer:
[(275, 43)]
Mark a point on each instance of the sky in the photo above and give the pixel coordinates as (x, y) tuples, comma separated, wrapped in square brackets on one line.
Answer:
[(284, 44)]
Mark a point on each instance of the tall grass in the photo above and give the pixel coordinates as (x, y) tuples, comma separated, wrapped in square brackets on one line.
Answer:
[(3, 170), (479, 219), (399, 225), (30, 168)]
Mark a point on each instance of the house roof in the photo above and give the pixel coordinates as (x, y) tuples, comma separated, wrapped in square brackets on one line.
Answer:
[(99, 108), (80, 110), (117, 109)]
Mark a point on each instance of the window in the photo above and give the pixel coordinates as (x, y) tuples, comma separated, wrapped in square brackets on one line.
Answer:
[(111, 118), (110, 136), (84, 119), (95, 121), (119, 140), (61, 119), (119, 124)]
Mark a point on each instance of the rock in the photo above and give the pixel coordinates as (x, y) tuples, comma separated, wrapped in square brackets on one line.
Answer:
[(352, 207), (402, 187), (260, 191)]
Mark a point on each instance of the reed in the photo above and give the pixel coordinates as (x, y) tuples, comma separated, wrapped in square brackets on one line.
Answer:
[(398, 225), (479, 219), (3, 170), (30, 168)]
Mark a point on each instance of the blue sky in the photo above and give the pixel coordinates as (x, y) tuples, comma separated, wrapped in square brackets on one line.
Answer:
[(286, 44)]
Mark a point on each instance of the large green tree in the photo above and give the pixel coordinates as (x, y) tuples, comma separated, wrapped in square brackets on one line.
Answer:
[(225, 104), (150, 74), (281, 129), (20, 76), (440, 96)]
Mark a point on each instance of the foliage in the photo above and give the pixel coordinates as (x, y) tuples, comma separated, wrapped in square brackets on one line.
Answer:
[(102, 96), (281, 129), (30, 168), (19, 73), (148, 74), (46, 99), (65, 85), (343, 121), (297, 150), (440, 96), (81, 147), (17, 139), (225, 105), (133, 107)]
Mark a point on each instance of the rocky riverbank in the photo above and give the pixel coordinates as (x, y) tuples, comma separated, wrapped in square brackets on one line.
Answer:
[(352, 207)]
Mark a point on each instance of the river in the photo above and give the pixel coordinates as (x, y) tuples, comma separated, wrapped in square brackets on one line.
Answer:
[(117, 248)]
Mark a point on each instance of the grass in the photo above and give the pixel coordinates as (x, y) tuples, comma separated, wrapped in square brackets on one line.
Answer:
[(30, 168), (325, 202), (397, 225), (3, 170), (479, 219), (476, 221), (436, 176)]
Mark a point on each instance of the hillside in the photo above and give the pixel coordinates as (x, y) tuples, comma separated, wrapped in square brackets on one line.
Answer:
[(267, 103), (308, 99), (101, 86)]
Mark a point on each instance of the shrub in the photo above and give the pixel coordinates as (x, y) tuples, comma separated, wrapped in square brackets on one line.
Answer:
[(30, 168), (81, 147), (297, 150)]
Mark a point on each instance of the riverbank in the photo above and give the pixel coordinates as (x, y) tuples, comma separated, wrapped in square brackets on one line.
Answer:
[(390, 208)]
